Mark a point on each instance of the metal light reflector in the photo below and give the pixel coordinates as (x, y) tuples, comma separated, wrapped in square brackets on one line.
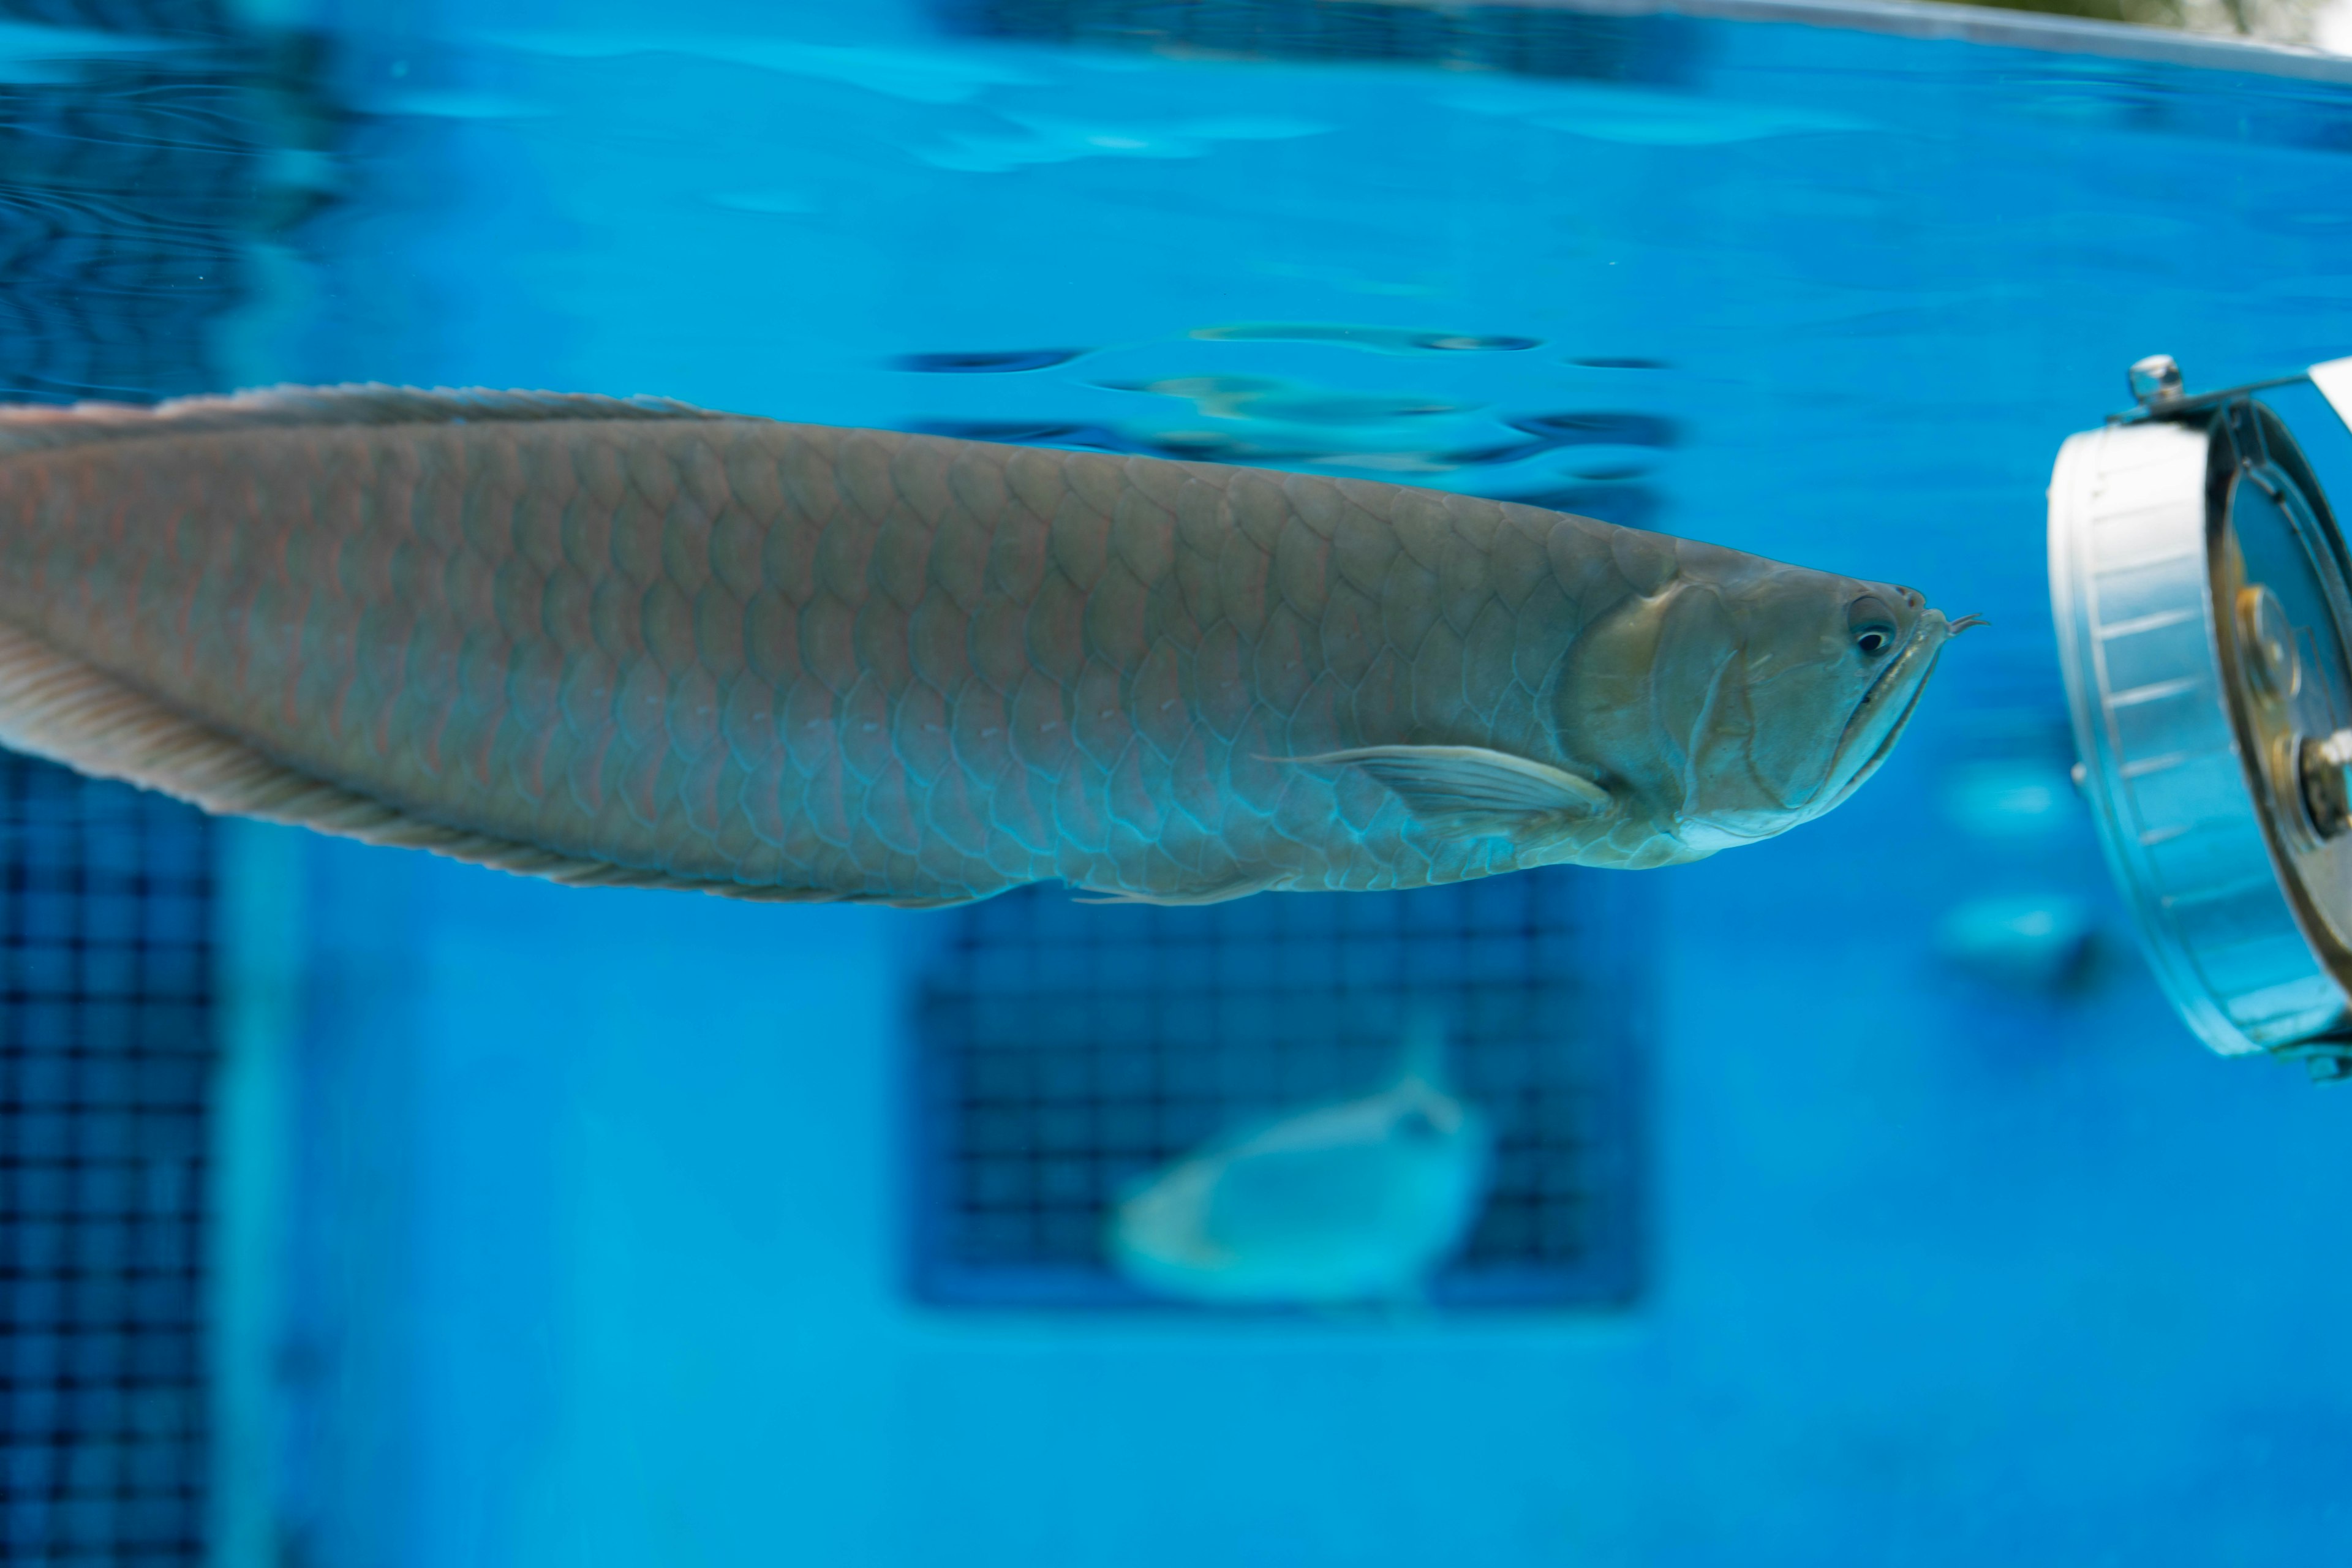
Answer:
[(2203, 601)]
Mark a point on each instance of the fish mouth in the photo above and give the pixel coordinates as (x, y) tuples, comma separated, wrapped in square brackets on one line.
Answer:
[(1877, 721), (1885, 711)]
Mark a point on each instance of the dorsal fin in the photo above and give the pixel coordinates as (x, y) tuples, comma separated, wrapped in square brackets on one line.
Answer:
[(34, 427)]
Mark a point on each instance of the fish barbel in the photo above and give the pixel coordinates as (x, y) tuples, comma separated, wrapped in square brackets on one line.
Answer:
[(630, 642)]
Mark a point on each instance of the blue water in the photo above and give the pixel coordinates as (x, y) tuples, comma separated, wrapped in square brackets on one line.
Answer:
[(594, 1201)]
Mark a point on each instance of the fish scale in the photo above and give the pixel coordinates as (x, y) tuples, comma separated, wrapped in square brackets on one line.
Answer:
[(639, 643)]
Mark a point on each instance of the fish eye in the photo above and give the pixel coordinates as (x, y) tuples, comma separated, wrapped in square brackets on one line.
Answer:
[(1870, 625)]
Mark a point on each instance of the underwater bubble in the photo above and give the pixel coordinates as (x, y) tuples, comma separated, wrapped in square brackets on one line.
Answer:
[(999, 363), (2037, 942)]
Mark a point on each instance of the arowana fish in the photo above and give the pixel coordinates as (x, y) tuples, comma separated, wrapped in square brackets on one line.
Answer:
[(630, 642)]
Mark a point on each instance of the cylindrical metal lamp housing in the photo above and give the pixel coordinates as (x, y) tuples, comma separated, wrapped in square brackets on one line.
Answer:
[(2200, 587)]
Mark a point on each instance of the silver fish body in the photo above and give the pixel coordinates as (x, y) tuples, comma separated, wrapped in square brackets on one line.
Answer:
[(635, 643), (1357, 1200)]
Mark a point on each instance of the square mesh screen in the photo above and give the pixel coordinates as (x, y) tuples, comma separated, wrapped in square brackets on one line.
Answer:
[(1064, 1049), (105, 1051)]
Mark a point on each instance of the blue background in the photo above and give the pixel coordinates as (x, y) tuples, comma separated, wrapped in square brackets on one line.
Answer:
[(593, 1199)]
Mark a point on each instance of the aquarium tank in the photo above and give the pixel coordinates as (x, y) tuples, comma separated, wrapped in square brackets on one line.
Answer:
[(1854, 1195)]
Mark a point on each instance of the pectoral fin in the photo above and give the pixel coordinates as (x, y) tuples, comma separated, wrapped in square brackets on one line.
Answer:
[(1474, 792)]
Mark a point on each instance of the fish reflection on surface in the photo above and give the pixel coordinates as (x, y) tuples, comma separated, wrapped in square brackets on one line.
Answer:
[(1357, 1200), (1541, 433), (1294, 402), (1297, 423), (1084, 437), (1380, 340), (1627, 506), (1001, 363), (1609, 428)]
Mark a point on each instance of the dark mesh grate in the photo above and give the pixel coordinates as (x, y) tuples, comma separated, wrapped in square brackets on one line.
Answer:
[(1064, 1048), (131, 182), (105, 1049)]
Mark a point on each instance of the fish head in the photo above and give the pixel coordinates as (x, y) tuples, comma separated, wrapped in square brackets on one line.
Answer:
[(1745, 696)]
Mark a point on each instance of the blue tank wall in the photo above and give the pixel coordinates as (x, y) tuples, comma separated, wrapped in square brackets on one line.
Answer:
[(613, 1276), (596, 1207)]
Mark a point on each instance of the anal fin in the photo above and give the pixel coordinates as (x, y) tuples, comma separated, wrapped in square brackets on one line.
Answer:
[(56, 706), (1222, 893)]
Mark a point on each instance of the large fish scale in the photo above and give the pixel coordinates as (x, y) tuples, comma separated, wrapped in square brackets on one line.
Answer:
[(785, 661)]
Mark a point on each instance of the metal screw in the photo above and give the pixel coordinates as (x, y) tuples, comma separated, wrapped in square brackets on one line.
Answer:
[(2267, 638), (2325, 798), (2154, 380)]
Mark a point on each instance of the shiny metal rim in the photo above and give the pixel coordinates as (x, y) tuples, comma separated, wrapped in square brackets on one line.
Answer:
[(2176, 803)]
